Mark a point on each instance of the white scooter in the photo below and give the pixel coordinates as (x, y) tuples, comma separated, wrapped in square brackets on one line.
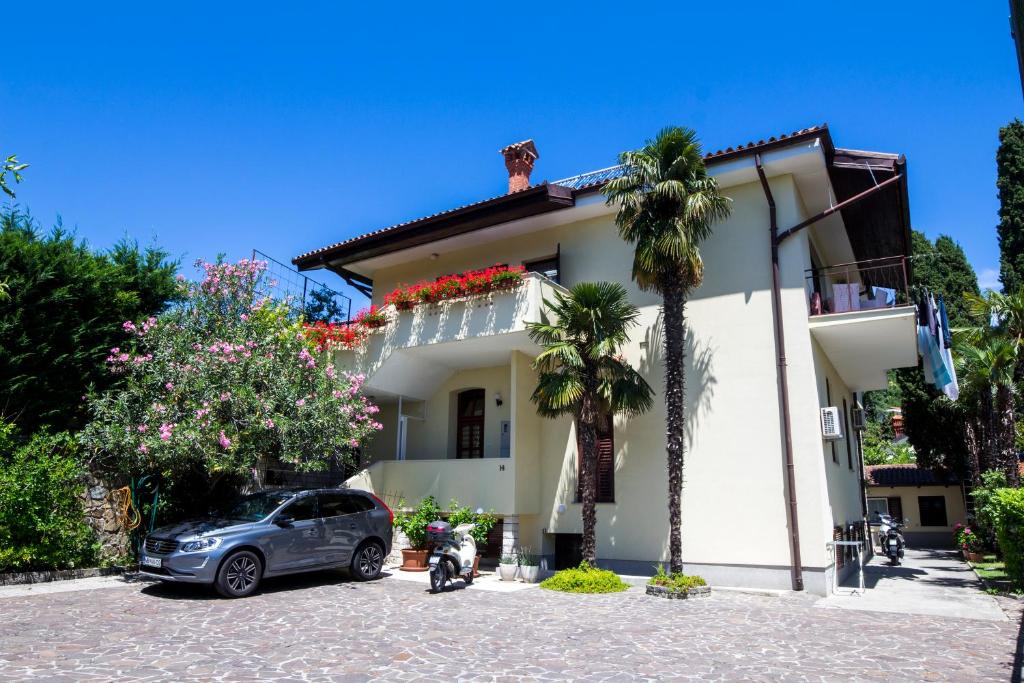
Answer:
[(453, 554)]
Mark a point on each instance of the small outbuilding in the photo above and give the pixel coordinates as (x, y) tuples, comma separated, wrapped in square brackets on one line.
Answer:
[(934, 502)]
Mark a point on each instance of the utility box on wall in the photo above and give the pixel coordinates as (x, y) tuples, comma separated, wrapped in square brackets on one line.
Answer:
[(505, 449)]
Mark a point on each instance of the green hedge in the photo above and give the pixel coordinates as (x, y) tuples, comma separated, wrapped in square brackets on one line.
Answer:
[(41, 520), (585, 579), (1009, 519)]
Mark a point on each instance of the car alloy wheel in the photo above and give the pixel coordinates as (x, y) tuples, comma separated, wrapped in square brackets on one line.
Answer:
[(241, 573), (370, 561)]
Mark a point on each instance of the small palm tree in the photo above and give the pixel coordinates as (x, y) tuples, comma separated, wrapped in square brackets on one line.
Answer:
[(581, 374), (985, 369), (667, 205)]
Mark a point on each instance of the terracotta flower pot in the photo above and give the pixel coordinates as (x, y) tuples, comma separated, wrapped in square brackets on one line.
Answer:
[(414, 560), (975, 557)]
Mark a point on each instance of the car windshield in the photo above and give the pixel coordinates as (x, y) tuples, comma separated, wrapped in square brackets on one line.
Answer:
[(257, 506)]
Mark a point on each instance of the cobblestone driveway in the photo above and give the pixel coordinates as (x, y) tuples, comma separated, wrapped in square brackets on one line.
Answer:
[(323, 627)]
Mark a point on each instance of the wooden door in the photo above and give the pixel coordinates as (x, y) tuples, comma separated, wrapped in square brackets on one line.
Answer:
[(469, 434)]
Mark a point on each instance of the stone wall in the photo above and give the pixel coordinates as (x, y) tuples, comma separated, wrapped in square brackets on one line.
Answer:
[(103, 515)]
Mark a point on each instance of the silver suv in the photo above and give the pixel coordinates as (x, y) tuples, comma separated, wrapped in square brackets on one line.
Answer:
[(272, 533)]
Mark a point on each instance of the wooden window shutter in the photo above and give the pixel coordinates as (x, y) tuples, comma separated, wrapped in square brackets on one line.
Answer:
[(605, 462)]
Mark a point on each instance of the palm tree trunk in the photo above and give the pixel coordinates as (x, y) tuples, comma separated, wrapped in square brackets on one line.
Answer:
[(674, 299), (989, 439), (587, 424), (1006, 429), (973, 449)]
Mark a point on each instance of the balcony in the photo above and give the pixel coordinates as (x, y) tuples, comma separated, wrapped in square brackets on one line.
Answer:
[(418, 349), (862, 316)]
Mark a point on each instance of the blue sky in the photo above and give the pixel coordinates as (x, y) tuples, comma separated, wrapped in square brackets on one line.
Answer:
[(219, 127)]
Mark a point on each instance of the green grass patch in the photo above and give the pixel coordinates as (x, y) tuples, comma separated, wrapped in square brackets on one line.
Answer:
[(585, 579), (991, 569)]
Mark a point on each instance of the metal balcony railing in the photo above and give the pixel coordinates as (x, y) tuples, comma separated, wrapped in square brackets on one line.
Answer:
[(859, 285)]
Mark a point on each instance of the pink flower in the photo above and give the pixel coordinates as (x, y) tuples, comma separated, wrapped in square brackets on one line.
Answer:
[(336, 394), (269, 423), (169, 386), (166, 429), (244, 316), (142, 429), (143, 449), (301, 402), (224, 441), (225, 396)]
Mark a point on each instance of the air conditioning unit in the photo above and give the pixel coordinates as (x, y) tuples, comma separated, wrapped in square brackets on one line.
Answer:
[(857, 420), (831, 427)]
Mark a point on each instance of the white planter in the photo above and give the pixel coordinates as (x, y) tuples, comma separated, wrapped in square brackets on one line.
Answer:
[(529, 574), (507, 572)]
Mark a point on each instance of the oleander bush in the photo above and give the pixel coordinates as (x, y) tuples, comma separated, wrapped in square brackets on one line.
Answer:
[(42, 525), (585, 579)]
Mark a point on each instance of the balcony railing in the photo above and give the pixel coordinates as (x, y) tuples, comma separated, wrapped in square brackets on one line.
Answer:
[(858, 286)]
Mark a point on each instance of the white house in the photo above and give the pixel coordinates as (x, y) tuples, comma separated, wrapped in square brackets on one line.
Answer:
[(770, 477)]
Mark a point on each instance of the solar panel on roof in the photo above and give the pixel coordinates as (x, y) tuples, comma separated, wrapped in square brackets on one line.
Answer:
[(591, 177)]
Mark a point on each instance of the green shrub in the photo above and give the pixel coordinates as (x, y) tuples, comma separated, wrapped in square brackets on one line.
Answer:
[(483, 521), (414, 524), (41, 520), (986, 510), (585, 579), (1009, 505), (677, 581)]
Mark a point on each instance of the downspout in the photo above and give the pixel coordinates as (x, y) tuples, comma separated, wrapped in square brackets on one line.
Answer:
[(780, 346)]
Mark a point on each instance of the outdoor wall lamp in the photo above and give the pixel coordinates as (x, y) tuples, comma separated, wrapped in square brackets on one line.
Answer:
[(497, 399)]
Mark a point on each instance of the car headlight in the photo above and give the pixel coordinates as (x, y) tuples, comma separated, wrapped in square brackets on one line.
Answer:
[(200, 545)]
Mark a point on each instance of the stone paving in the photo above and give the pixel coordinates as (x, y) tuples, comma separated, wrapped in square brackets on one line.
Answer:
[(323, 627)]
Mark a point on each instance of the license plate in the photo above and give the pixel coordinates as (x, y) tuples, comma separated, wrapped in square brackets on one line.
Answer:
[(434, 560), (893, 544), (151, 561)]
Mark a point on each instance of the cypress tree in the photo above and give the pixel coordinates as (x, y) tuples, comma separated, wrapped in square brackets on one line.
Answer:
[(1010, 183)]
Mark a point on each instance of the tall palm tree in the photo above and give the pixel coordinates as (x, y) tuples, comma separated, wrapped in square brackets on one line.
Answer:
[(667, 205), (581, 373)]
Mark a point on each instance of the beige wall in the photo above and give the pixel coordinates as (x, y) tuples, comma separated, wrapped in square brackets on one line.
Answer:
[(956, 512)]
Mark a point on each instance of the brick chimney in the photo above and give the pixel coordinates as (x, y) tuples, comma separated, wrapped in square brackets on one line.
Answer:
[(519, 160)]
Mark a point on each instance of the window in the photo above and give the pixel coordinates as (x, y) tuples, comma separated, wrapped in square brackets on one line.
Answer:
[(337, 504), (548, 267), (895, 507), (933, 510), (876, 507), (302, 509), (605, 462), (469, 428)]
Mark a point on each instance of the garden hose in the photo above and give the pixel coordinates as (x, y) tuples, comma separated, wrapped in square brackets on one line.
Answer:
[(129, 514)]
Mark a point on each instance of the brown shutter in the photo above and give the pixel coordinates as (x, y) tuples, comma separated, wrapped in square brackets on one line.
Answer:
[(605, 462)]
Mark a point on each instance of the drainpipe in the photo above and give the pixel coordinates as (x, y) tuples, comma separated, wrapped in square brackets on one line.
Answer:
[(780, 346)]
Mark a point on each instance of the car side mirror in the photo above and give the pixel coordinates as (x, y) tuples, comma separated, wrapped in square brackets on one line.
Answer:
[(284, 520)]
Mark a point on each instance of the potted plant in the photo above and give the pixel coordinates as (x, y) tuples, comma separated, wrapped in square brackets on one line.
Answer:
[(507, 567), (529, 565), (482, 523), (677, 586), (414, 525), (403, 299), (972, 546)]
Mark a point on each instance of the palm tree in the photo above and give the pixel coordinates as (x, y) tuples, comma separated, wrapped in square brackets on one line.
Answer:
[(667, 205), (581, 374), (993, 356), (985, 368)]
